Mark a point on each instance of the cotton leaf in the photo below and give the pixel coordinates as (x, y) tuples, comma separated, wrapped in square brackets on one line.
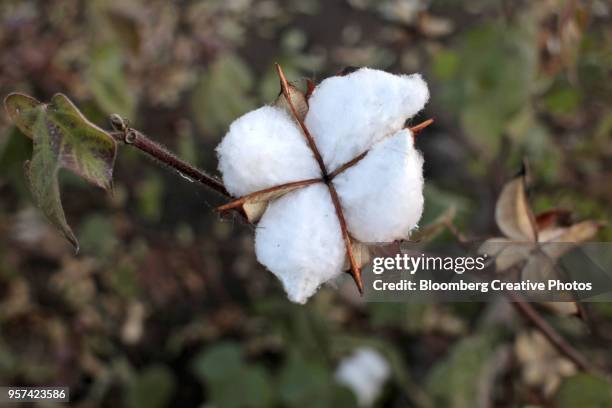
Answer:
[(513, 213), (62, 138), (22, 111)]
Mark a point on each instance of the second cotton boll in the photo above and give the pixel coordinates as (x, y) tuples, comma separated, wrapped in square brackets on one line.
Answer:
[(298, 237)]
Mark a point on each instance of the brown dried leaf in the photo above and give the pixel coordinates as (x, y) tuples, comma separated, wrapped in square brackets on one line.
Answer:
[(562, 308), (298, 99), (506, 252), (553, 218), (513, 213), (580, 232), (361, 253), (254, 205)]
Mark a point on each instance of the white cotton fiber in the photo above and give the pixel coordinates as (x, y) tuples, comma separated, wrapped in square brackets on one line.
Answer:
[(299, 240), (264, 148), (348, 114), (382, 195), (365, 373)]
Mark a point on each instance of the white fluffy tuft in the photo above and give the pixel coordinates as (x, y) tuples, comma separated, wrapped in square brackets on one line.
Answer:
[(348, 114), (262, 149), (382, 195), (365, 372), (299, 240)]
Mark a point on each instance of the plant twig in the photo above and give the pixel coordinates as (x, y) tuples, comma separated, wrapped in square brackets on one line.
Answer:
[(415, 131), (311, 143), (355, 270), (123, 133), (553, 336)]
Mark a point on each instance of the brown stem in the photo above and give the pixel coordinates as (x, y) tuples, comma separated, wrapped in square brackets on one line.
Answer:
[(415, 131), (347, 165), (418, 128), (144, 144), (355, 270), (292, 186), (550, 333), (311, 143)]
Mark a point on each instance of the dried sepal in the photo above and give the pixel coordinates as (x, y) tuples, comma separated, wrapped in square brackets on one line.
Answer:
[(298, 100), (253, 205), (513, 213), (361, 253)]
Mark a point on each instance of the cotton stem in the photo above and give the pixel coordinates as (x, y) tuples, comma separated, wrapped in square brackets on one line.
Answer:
[(140, 141)]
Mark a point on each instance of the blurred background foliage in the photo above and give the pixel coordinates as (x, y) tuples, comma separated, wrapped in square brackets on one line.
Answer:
[(166, 305)]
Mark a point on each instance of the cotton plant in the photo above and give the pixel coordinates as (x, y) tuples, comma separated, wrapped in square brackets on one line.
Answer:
[(322, 173), (365, 372)]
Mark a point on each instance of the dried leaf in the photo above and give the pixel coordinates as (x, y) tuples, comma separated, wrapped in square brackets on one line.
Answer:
[(576, 233), (506, 252), (254, 205), (298, 99), (62, 138), (552, 218), (540, 268), (562, 308), (361, 252), (513, 213)]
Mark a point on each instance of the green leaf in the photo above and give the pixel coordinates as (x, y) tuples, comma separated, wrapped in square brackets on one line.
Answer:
[(455, 381), (107, 82), (151, 388), (583, 390), (222, 94), (22, 111), (306, 382), (62, 138), (223, 370)]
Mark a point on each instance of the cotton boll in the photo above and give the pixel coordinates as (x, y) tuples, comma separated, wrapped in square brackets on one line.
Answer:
[(365, 373), (299, 240), (348, 114), (264, 148), (382, 195)]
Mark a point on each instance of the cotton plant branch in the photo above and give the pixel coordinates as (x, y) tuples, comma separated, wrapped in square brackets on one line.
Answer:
[(132, 137), (64, 138), (516, 219), (554, 337), (531, 314), (59, 131)]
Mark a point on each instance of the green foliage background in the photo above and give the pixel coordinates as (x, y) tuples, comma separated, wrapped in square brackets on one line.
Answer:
[(166, 306)]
